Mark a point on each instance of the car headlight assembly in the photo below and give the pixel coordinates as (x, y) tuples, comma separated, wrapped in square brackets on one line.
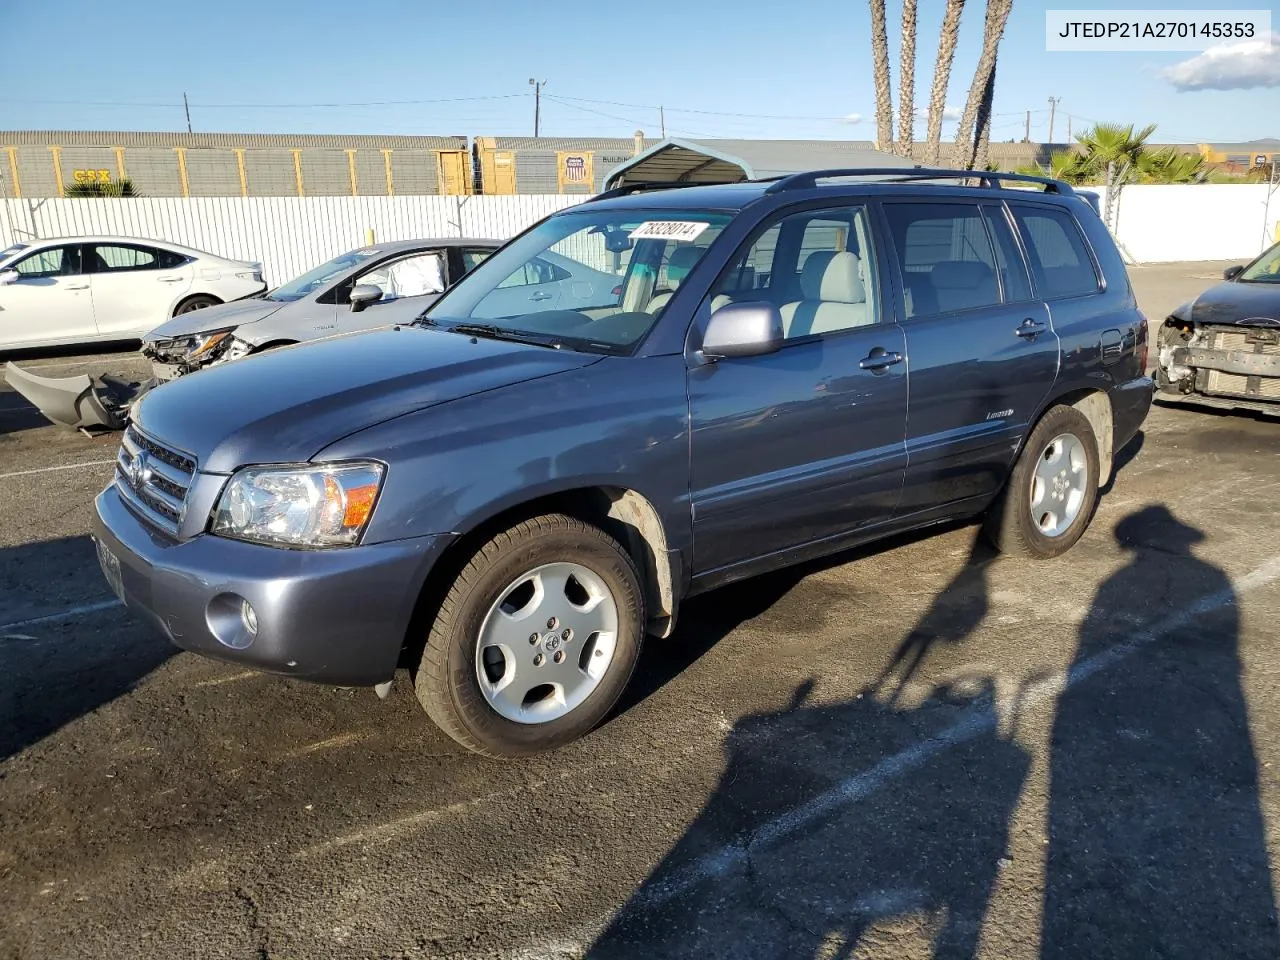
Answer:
[(308, 506), (201, 346)]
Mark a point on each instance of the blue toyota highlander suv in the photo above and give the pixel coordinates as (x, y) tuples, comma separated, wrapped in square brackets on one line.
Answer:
[(511, 501)]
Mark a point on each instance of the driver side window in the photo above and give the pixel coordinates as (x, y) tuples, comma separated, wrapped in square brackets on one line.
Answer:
[(413, 276), (54, 262)]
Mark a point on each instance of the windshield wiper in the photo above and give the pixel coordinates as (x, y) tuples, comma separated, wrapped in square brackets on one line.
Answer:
[(492, 332)]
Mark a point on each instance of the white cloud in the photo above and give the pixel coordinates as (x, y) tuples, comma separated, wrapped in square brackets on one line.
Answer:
[(1242, 65), (852, 118), (951, 113)]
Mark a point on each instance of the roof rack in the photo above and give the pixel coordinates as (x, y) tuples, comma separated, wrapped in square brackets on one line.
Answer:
[(987, 178), (643, 187)]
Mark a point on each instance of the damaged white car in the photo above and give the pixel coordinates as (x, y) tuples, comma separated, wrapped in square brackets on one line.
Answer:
[(1223, 348), (369, 287)]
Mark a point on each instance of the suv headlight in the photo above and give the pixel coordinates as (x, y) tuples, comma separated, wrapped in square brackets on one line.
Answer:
[(326, 505)]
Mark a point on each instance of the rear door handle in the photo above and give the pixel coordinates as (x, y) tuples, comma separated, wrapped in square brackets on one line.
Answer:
[(540, 296), (169, 279), (1030, 329), (878, 359), (76, 286)]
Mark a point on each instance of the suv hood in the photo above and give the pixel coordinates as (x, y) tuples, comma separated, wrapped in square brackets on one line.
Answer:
[(1248, 304), (286, 405), (234, 314)]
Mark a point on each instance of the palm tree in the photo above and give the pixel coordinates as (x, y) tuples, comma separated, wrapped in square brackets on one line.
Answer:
[(880, 63), (907, 80), (97, 188), (942, 76), (1112, 150), (983, 86), (1170, 165)]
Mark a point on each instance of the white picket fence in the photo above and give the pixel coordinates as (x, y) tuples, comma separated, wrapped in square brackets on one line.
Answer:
[(287, 235)]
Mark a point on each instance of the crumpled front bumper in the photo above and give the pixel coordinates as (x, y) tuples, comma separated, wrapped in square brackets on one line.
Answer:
[(82, 402)]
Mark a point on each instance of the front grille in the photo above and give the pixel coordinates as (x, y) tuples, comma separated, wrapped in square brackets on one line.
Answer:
[(1265, 342), (154, 479)]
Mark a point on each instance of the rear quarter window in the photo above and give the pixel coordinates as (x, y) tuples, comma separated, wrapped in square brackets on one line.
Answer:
[(1060, 260)]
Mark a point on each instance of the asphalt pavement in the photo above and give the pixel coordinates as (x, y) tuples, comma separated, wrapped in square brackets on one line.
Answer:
[(915, 750)]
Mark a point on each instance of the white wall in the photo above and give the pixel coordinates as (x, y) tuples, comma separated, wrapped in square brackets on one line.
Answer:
[(1209, 221), (288, 235), (292, 234)]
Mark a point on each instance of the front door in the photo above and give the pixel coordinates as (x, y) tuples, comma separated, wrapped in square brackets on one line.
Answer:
[(135, 288), (49, 301), (409, 285), (805, 444), (983, 354)]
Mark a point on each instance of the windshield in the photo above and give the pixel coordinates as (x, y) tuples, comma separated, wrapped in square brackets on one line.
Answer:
[(593, 280), (12, 251), (1266, 269), (316, 278)]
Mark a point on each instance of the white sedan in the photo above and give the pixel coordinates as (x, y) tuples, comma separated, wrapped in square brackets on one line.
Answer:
[(85, 289)]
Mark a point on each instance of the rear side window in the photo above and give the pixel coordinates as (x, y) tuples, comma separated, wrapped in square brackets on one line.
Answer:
[(945, 256), (1013, 272), (109, 258), (1060, 261), (170, 259)]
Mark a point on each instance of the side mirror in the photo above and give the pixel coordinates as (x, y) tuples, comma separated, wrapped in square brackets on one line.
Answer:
[(363, 294), (1232, 272), (743, 330), (8, 276)]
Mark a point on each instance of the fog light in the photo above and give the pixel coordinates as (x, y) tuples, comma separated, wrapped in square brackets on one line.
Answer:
[(249, 617)]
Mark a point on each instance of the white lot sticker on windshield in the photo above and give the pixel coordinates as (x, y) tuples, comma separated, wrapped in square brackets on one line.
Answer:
[(681, 230)]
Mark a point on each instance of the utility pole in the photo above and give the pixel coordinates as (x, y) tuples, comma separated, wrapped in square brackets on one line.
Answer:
[(1053, 108), (537, 103), (1026, 137), (662, 122), (186, 107), (1068, 128)]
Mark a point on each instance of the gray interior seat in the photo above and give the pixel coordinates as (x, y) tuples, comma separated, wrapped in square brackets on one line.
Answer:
[(679, 264), (962, 284), (834, 296)]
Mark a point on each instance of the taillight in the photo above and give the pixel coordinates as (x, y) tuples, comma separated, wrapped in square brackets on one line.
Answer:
[(617, 291)]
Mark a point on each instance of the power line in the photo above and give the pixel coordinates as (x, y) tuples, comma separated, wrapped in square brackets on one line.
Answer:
[(271, 106)]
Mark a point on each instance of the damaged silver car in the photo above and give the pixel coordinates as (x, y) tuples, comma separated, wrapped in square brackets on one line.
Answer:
[(1223, 348), (370, 287)]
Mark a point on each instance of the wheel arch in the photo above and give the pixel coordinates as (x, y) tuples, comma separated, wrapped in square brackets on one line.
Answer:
[(194, 295), (624, 513), (1095, 405)]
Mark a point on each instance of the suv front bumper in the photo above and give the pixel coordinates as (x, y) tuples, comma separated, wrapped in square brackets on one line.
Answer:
[(333, 616)]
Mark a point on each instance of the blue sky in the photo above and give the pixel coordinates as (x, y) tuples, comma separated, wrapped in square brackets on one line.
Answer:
[(748, 69)]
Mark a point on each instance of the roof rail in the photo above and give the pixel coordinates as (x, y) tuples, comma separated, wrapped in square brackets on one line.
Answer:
[(643, 187), (809, 179)]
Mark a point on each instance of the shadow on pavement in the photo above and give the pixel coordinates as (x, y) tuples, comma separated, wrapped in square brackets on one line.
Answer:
[(780, 863), (1157, 843), (54, 672)]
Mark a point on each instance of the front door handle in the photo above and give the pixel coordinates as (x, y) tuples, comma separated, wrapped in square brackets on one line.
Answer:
[(540, 296), (1030, 329), (878, 359)]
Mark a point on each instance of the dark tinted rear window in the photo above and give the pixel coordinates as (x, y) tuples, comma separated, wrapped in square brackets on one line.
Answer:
[(1060, 261)]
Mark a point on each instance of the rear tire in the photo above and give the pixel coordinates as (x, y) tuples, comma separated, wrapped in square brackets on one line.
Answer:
[(503, 671), (1052, 491), (198, 302)]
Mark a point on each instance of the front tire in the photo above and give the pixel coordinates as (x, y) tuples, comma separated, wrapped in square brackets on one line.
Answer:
[(535, 640), (1052, 491)]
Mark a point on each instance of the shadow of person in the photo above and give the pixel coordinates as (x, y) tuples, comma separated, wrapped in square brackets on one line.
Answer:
[(1156, 838), (835, 824)]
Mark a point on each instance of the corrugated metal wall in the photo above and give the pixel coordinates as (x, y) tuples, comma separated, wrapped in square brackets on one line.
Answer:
[(288, 235)]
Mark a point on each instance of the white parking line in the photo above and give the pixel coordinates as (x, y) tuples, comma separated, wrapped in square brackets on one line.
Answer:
[(134, 358), (974, 724), (65, 466), (68, 614)]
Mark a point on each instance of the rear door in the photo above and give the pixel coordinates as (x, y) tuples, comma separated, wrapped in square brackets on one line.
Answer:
[(981, 350), (805, 444), (50, 300), (533, 288), (134, 286)]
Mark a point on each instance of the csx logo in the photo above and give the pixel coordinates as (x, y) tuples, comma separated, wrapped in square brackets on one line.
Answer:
[(91, 176)]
